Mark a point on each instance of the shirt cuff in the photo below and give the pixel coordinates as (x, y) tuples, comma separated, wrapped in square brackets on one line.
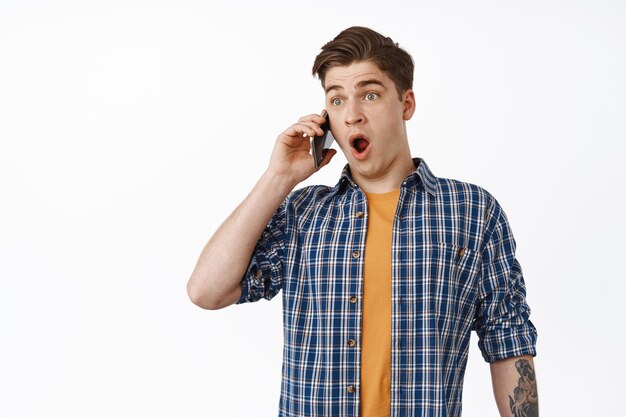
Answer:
[(509, 342)]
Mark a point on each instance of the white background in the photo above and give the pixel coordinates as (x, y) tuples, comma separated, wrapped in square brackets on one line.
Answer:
[(129, 130)]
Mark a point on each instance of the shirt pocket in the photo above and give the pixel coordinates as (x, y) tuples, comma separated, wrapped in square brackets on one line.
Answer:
[(453, 277)]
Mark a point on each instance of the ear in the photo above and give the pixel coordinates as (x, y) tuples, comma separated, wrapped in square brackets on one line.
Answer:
[(408, 104)]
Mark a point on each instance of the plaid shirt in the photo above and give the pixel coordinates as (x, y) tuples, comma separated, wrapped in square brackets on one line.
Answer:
[(453, 271)]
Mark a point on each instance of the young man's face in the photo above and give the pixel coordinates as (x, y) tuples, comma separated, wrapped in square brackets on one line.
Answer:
[(368, 117)]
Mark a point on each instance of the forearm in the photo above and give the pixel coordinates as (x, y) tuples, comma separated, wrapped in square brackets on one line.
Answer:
[(515, 387), (215, 280)]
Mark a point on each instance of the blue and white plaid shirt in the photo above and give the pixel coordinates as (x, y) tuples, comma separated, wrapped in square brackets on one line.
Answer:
[(453, 271)]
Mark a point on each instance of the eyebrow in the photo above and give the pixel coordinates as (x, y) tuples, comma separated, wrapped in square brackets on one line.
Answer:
[(359, 85)]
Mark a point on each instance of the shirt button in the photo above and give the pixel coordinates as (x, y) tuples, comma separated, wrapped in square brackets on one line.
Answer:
[(258, 274), (351, 389), (461, 252), (354, 299), (351, 343), (359, 214), (356, 254)]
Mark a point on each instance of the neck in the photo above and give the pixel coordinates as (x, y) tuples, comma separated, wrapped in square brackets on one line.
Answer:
[(386, 180)]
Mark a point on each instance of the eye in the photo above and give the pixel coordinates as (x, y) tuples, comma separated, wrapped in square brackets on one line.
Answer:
[(336, 101), (371, 96)]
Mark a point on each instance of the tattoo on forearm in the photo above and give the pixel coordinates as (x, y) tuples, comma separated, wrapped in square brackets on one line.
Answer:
[(525, 402)]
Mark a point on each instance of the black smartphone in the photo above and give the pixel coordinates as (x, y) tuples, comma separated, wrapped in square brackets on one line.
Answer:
[(319, 144)]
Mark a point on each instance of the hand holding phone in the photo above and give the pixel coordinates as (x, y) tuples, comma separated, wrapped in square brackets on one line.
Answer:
[(320, 144)]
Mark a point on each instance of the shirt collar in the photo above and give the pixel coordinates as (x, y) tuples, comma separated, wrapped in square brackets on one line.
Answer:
[(421, 174)]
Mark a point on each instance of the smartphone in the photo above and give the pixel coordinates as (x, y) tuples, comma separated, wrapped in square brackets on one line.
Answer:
[(319, 144)]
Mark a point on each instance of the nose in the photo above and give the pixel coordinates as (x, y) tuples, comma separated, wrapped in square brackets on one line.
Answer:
[(354, 113)]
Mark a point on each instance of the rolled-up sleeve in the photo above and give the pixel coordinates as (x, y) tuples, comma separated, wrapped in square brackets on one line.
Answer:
[(502, 316), (263, 278)]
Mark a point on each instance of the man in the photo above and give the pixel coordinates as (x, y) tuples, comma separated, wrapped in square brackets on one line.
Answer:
[(383, 275)]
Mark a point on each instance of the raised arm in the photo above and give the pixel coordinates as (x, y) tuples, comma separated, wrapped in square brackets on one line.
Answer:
[(515, 387), (215, 280)]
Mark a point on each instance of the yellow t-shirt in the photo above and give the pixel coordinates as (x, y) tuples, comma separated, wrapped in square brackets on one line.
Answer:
[(376, 331)]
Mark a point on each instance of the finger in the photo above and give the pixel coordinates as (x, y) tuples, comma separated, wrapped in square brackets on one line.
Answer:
[(315, 126), (316, 118), (304, 129), (300, 130)]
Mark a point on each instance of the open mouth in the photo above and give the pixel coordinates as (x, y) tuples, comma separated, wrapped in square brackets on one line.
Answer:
[(359, 144)]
